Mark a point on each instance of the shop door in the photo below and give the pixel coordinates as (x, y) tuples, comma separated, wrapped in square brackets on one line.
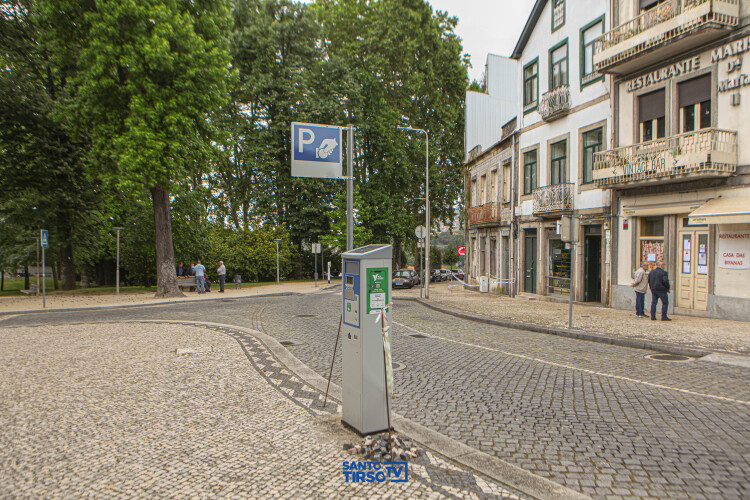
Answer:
[(692, 288), (529, 261), (493, 258), (592, 267), (506, 264)]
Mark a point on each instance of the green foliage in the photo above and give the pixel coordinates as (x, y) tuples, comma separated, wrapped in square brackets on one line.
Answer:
[(436, 257), (250, 254), (450, 257)]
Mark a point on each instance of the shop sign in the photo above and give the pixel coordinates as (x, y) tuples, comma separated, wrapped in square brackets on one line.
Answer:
[(734, 249), (660, 75)]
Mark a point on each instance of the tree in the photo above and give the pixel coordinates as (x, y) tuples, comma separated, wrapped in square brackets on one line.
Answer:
[(450, 257), (151, 73)]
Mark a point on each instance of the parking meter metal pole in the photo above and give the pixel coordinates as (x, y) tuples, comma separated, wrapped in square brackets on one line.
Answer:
[(366, 292), (350, 187)]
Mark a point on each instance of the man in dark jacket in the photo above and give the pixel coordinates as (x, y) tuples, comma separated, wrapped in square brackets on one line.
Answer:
[(658, 281)]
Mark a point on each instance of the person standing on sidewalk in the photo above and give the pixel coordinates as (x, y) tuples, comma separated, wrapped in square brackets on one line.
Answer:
[(658, 281), (640, 284), (200, 277), (222, 275)]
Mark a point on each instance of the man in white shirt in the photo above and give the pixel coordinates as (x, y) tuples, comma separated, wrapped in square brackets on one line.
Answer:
[(200, 277), (222, 275), (640, 284)]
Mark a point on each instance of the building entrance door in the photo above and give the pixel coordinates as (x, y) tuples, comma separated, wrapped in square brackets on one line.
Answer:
[(692, 288), (529, 261), (592, 264), (506, 264)]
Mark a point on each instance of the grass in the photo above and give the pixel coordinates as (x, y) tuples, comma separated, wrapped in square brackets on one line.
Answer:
[(13, 287)]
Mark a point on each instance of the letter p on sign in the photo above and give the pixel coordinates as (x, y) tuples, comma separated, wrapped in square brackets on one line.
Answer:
[(302, 141)]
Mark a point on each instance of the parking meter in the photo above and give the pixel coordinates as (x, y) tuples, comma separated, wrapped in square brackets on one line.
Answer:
[(366, 290)]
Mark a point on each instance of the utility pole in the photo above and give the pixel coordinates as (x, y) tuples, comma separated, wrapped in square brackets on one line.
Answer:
[(117, 272), (350, 187), (37, 266)]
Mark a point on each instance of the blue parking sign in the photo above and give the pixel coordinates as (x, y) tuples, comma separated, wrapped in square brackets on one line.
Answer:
[(316, 150), (44, 238)]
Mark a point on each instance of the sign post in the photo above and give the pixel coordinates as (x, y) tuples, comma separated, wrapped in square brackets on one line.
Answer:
[(316, 251), (44, 241), (569, 235)]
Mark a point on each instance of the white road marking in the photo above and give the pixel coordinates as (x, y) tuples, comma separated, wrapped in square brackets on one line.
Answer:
[(582, 370)]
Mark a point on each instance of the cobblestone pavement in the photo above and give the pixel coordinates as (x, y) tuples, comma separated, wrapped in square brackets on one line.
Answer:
[(600, 419), (166, 410), (695, 332)]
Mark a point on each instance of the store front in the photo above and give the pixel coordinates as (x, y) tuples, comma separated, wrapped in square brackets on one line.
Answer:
[(559, 267), (529, 260), (592, 263)]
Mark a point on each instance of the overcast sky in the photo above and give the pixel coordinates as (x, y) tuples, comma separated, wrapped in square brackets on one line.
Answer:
[(486, 26)]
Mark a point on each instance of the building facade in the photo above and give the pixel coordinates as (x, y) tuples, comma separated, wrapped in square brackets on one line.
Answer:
[(564, 119), (678, 168)]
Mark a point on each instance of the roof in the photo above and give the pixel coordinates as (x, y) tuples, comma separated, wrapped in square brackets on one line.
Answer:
[(536, 13)]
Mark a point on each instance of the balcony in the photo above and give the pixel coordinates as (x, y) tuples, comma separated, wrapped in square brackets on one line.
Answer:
[(489, 214), (555, 103), (661, 32), (554, 199), (694, 155)]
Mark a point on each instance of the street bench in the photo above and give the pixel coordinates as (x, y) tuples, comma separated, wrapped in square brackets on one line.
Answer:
[(186, 281), (32, 290)]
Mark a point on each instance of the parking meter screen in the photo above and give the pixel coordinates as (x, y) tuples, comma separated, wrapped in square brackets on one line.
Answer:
[(352, 268)]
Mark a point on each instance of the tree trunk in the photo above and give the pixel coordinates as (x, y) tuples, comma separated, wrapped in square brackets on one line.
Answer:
[(67, 268), (166, 276), (26, 277), (55, 273), (2, 280), (396, 254)]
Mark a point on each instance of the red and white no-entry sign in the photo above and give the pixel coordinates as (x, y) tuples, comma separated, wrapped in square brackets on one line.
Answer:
[(461, 251)]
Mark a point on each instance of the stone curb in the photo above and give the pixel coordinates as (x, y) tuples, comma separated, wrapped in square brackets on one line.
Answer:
[(575, 334), (146, 304), (499, 470)]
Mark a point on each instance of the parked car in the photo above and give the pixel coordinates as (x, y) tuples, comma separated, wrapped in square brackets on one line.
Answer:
[(405, 278), (436, 276), (458, 273), (445, 274)]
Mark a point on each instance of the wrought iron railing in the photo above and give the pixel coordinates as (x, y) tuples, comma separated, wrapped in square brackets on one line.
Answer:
[(707, 151), (651, 28), (555, 198), (555, 103), (488, 213)]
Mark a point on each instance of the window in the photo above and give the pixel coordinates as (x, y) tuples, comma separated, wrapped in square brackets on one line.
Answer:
[(648, 4), (531, 85), (559, 162), (474, 194), (589, 34), (651, 240), (483, 188), (558, 66), (529, 172), (506, 183), (651, 116), (493, 186), (558, 14), (695, 103), (592, 143)]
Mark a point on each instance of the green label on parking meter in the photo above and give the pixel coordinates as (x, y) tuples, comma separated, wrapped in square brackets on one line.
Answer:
[(377, 289), (349, 307)]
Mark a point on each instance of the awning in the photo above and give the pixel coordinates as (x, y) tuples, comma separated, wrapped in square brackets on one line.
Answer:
[(723, 211), (660, 209)]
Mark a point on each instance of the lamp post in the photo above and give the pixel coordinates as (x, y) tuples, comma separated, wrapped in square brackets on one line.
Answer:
[(427, 209), (117, 273), (277, 261)]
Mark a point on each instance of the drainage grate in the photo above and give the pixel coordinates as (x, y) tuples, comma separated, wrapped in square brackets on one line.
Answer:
[(669, 357), (419, 336)]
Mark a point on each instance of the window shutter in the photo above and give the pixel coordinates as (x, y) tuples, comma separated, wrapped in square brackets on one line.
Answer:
[(651, 106), (695, 90)]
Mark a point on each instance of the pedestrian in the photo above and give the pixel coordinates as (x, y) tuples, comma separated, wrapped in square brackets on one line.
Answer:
[(222, 275), (180, 270), (200, 276), (640, 284), (192, 270), (658, 281)]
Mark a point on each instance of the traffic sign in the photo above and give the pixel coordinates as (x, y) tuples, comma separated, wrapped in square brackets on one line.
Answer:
[(44, 238), (420, 232), (316, 248), (420, 243), (461, 251), (316, 150)]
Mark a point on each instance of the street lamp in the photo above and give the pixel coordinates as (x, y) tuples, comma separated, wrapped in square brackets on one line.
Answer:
[(427, 209), (277, 261), (117, 273)]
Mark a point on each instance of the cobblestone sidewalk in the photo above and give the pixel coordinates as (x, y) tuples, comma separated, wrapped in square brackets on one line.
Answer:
[(163, 410), (693, 332)]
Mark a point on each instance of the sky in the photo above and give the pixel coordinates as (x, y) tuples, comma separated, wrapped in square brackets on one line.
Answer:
[(486, 26)]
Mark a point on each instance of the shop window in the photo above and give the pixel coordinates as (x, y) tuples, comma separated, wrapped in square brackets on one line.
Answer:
[(695, 103), (651, 240), (531, 85), (558, 281), (559, 163), (558, 14), (589, 34), (529, 171), (592, 143), (651, 115), (558, 66)]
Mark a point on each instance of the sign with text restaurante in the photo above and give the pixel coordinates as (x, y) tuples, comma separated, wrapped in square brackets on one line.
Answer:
[(734, 249), (729, 53)]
